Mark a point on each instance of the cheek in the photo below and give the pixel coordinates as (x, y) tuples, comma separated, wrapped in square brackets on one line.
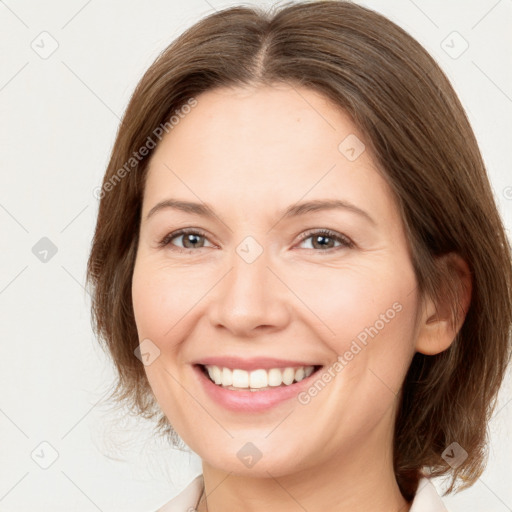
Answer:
[(162, 297), (347, 300), (160, 304), (372, 315), (145, 298), (366, 314)]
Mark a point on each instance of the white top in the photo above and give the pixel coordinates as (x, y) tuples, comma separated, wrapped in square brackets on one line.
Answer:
[(426, 499)]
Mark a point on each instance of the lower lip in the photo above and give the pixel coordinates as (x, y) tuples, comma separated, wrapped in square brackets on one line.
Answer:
[(251, 401)]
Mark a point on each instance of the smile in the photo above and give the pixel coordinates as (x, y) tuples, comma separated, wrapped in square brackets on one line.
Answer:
[(253, 390), (256, 380)]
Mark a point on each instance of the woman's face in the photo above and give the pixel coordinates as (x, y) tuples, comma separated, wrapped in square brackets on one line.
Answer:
[(252, 287)]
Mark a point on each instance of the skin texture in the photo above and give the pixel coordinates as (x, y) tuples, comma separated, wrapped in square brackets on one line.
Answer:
[(250, 153)]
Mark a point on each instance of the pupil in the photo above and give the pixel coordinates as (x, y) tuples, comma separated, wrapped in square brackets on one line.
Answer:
[(322, 237), (190, 239)]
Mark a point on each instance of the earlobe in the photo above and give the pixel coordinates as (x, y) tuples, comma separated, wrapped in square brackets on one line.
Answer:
[(440, 323)]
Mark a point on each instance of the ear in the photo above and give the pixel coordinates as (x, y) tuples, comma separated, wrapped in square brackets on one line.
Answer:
[(440, 323)]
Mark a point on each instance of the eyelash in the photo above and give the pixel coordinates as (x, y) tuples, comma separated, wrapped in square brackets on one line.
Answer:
[(345, 241)]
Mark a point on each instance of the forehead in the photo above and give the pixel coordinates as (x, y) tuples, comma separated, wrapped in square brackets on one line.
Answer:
[(262, 121), (275, 144)]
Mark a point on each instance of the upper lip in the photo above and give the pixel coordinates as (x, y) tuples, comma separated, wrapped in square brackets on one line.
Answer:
[(254, 363)]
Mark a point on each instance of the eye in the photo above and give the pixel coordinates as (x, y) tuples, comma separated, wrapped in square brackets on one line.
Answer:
[(194, 239), (325, 238), (191, 240)]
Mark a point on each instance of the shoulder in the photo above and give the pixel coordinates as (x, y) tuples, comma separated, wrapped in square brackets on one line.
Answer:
[(427, 499), (187, 499)]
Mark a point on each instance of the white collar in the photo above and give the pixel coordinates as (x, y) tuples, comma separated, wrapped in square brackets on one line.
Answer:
[(427, 499)]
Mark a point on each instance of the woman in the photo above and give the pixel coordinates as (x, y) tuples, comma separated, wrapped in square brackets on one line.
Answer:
[(332, 381)]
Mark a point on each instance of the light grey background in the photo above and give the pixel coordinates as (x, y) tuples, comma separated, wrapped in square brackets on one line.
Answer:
[(59, 116)]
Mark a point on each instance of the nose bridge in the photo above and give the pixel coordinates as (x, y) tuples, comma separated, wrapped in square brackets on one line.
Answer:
[(250, 295)]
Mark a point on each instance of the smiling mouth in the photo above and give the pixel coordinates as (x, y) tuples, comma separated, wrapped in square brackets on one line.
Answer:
[(257, 380)]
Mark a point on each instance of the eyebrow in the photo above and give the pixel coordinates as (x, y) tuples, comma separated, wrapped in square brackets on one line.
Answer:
[(204, 210)]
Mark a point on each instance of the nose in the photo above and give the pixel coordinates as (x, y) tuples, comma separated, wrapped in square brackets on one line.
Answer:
[(250, 299)]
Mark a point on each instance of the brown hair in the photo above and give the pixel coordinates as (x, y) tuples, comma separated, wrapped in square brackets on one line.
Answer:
[(422, 141)]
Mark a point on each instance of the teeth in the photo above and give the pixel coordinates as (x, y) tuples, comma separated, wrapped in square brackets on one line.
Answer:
[(240, 378), (257, 379), (227, 377), (215, 374), (275, 377), (300, 374), (288, 376)]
